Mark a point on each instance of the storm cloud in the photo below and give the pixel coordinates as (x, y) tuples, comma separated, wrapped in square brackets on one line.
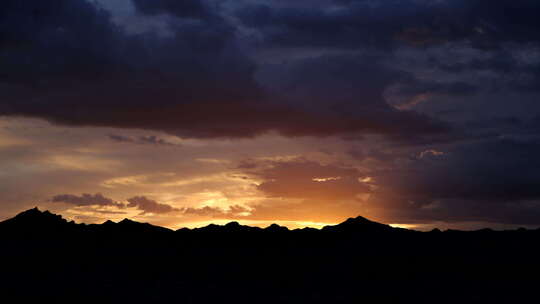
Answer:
[(86, 200), (386, 24), (196, 82), (405, 110)]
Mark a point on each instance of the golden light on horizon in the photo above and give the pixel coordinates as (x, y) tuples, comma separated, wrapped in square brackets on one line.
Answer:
[(256, 223), (404, 226)]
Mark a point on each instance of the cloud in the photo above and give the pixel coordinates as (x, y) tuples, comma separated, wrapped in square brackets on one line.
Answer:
[(347, 92), (231, 211), (488, 180), (86, 200), (472, 172), (86, 70), (197, 82), (304, 179), (149, 206), (456, 77), (150, 139), (182, 9), (408, 95), (387, 24), (121, 138), (204, 81)]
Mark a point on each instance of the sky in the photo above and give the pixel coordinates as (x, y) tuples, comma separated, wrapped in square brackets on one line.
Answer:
[(415, 113)]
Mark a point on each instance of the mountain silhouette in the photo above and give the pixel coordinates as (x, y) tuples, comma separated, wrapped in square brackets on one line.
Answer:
[(38, 221), (359, 224), (46, 258), (129, 226), (36, 217), (275, 228)]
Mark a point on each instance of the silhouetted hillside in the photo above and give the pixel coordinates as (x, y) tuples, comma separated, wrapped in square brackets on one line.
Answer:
[(44, 257), (34, 222)]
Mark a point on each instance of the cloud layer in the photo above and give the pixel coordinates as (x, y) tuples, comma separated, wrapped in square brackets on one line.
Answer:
[(197, 81), (411, 111)]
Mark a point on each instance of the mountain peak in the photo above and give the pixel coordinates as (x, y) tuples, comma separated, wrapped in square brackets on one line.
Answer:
[(357, 220), (30, 212), (35, 222), (36, 215), (128, 221), (276, 228), (359, 224), (233, 225)]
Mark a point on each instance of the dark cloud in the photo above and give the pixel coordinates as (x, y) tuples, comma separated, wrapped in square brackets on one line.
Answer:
[(69, 63), (411, 93), (149, 206), (452, 86), (516, 68), (195, 82), (374, 154), (150, 139), (489, 180), (481, 181), (183, 8), (78, 68), (86, 200), (352, 25), (500, 61), (387, 24), (451, 89), (501, 169), (347, 92), (122, 138)]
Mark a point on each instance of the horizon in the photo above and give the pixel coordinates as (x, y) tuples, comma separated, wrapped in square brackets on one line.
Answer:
[(318, 226), (421, 114)]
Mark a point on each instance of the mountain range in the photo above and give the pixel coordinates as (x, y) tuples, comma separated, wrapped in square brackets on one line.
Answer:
[(37, 221), (46, 258)]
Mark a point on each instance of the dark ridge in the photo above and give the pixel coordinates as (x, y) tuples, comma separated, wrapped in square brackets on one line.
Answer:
[(127, 226), (359, 224), (48, 259), (108, 223), (36, 221), (35, 217), (276, 228), (127, 222)]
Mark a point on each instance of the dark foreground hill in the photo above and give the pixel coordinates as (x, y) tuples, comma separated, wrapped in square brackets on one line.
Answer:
[(46, 258)]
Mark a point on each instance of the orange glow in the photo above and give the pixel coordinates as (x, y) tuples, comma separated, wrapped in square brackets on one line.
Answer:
[(261, 224)]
